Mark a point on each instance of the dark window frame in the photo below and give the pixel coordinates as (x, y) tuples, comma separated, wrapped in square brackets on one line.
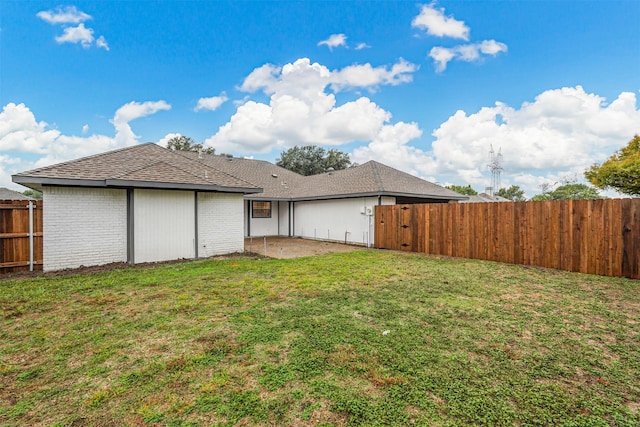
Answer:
[(262, 212)]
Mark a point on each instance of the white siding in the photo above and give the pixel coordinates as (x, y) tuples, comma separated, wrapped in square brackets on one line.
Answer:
[(265, 226), (164, 225), (339, 219), (84, 226), (220, 222)]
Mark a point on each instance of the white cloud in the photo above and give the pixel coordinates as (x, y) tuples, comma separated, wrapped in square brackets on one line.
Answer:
[(361, 46), (334, 40), (78, 34), (561, 133), (469, 52), (102, 43), (366, 76), (85, 129), (67, 15), (301, 111), (435, 23), (73, 34), (132, 111), (212, 103), (550, 140), (26, 143), (165, 139)]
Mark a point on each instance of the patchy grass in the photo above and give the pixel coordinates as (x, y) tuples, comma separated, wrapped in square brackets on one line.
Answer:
[(304, 342)]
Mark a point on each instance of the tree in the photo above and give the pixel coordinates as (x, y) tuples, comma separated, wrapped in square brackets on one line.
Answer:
[(312, 160), (34, 194), (571, 191), (185, 143), (513, 193), (621, 171), (468, 191)]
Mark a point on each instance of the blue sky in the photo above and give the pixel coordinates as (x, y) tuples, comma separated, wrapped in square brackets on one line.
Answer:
[(427, 88)]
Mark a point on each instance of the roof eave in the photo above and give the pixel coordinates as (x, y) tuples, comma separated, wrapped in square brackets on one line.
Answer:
[(375, 194), (121, 183)]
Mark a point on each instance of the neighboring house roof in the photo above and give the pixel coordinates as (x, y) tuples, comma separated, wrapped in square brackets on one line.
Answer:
[(484, 198), (369, 179), (141, 166), (6, 194)]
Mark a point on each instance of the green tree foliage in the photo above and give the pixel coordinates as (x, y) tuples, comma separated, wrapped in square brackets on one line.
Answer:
[(34, 194), (312, 160), (513, 193), (462, 190), (571, 191), (185, 143), (620, 172)]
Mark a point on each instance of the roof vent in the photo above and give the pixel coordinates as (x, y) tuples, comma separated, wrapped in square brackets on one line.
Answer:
[(274, 175)]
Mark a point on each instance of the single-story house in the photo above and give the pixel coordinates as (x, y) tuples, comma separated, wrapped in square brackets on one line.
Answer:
[(337, 205), (146, 204), (6, 194), (138, 204)]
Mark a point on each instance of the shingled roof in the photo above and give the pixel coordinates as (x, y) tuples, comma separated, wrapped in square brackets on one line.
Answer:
[(141, 166), (6, 194), (277, 183), (369, 179)]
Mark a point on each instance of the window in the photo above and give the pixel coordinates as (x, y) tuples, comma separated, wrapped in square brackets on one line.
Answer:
[(260, 209)]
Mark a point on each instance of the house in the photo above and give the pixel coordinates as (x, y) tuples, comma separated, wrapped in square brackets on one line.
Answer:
[(146, 204), (138, 204), (336, 206), (6, 194)]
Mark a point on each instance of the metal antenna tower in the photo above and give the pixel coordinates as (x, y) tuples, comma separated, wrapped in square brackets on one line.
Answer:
[(495, 164)]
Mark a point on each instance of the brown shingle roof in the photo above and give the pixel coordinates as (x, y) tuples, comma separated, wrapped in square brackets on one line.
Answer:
[(146, 165), (371, 178), (276, 182)]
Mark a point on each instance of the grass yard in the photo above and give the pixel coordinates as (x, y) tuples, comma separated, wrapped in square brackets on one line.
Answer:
[(361, 338)]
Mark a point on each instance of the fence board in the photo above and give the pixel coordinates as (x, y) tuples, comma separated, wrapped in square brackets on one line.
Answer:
[(14, 235), (588, 236)]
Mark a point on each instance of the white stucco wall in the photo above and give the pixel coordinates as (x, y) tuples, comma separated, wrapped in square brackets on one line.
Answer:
[(331, 219), (83, 226), (220, 223)]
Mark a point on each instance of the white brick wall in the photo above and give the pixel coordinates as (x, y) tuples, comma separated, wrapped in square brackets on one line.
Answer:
[(84, 226), (220, 223)]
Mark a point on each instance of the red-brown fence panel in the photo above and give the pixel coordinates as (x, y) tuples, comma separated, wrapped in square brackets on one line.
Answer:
[(20, 235), (588, 236)]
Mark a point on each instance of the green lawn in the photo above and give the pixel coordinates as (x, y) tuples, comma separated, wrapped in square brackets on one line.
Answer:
[(361, 338)]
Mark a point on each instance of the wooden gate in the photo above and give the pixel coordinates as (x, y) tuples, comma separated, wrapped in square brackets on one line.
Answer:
[(20, 235)]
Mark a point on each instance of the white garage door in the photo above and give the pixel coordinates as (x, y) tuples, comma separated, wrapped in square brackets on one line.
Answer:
[(163, 225)]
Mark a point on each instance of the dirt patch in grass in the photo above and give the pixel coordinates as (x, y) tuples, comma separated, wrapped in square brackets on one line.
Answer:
[(287, 247)]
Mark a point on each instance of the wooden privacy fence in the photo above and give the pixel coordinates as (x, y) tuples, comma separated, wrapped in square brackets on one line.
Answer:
[(20, 235), (588, 236)]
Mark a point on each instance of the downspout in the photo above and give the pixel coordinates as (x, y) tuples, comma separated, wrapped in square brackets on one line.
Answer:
[(289, 216)]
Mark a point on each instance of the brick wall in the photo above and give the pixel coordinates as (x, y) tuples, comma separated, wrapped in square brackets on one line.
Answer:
[(84, 226), (220, 224)]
